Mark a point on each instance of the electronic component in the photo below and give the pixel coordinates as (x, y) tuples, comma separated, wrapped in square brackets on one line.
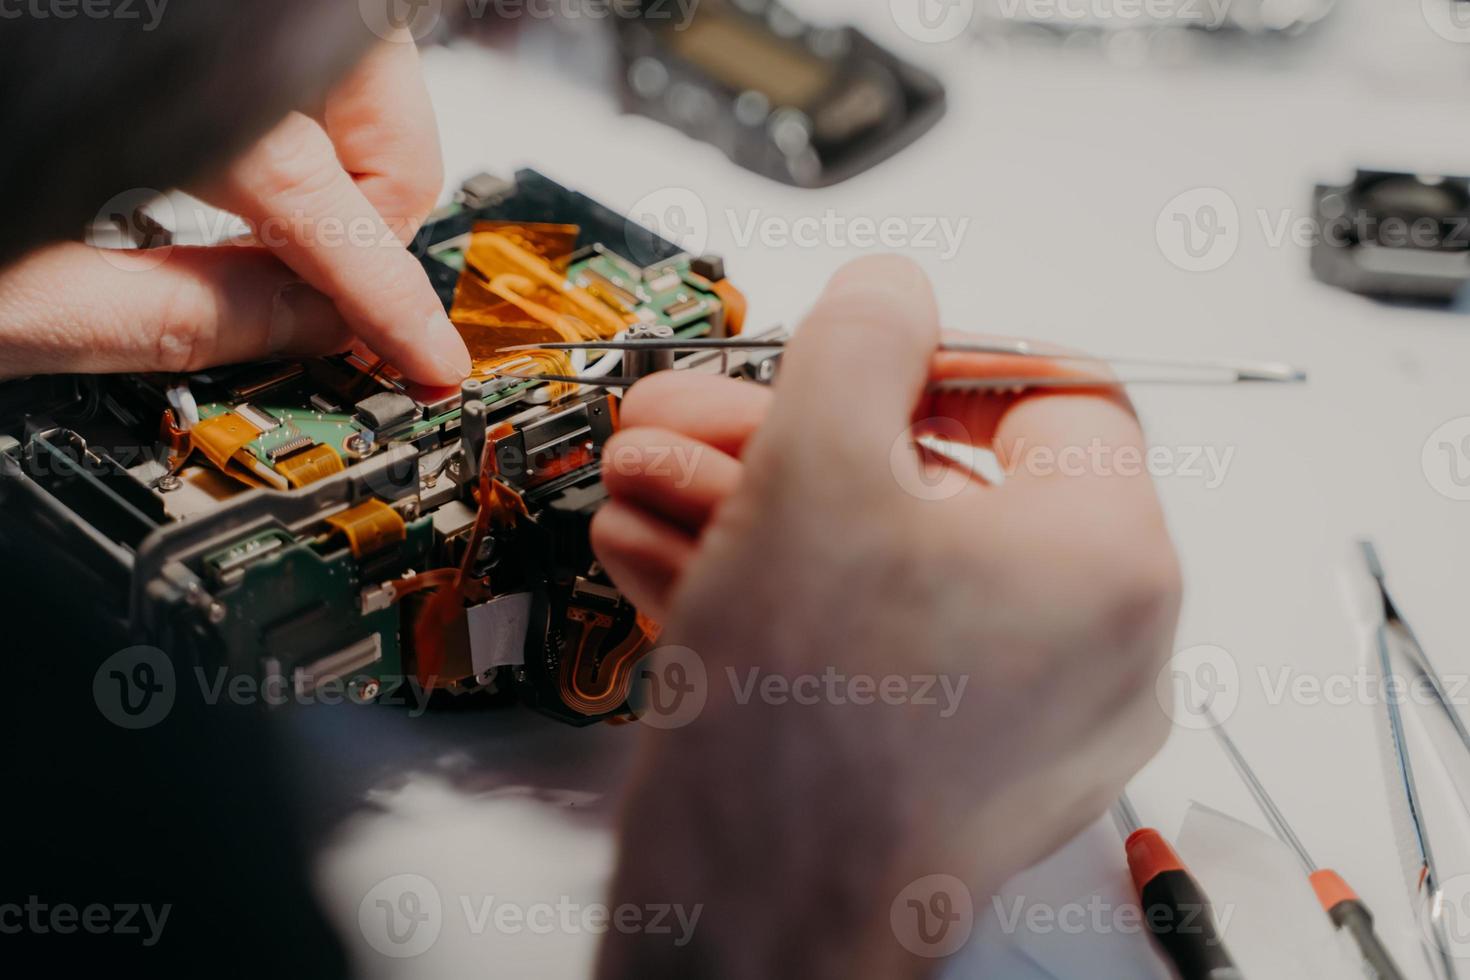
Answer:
[(804, 105), (258, 417), (386, 410), (279, 452), (483, 190), (325, 522), (1394, 235), (642, 363), (711, 267)]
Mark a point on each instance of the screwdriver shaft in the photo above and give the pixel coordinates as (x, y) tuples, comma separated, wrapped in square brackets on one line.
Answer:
[(1263, 799)]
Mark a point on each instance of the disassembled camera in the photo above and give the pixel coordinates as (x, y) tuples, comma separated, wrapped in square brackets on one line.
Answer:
[(322, 521), (1394, 235), (1168, 31), (805, 105)]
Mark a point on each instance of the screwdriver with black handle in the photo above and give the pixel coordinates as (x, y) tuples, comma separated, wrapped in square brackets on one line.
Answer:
[(1338, 900), (1175, 908)]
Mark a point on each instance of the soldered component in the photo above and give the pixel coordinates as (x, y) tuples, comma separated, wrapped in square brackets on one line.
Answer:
[(685, 310), (386, 410), (642, 363), (228, 565), (258, 417), (609, 292), (345, 663), (483, 190), (277, 453)]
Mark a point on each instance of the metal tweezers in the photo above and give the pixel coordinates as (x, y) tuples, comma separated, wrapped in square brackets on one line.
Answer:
[(1155, 370)]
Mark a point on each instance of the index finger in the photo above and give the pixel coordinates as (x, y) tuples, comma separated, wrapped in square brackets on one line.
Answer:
[(381, 120), (291, 189)]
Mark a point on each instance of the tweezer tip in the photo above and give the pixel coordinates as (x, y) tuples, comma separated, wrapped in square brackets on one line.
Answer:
[(1279, 373), (1370, 556)]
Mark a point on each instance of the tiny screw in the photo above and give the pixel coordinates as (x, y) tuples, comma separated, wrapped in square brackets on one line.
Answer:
[(369, 689), (169, 482)]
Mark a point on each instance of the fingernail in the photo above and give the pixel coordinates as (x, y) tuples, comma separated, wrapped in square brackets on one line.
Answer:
[(447, 349)]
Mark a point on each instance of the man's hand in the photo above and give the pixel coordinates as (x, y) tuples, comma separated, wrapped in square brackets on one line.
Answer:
[(331, 202), (1019, 628)]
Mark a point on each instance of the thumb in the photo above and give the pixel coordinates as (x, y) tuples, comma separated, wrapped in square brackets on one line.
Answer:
[(73, 308), (852, 375)]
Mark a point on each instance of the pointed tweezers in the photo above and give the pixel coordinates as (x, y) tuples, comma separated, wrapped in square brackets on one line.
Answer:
[(1203, 372)]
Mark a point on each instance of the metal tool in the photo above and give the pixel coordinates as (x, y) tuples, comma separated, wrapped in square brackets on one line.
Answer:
[(1427, 888), (1175, 907), (1173, 371), (1399, 628), (1338, 900)]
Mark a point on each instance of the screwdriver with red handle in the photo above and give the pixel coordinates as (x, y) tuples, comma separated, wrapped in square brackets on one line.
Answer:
[(1175, 908), (1338, 900)]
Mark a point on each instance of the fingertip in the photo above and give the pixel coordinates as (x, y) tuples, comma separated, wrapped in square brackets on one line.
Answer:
[(862, 358), (447, 350), (888, 274), (882, 306)]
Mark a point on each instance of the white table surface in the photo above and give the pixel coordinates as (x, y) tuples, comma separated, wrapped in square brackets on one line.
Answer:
[(1062, 166)]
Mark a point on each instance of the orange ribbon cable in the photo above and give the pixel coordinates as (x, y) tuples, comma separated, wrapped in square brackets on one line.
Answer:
[(499, 506), (592, 682), (514, 291)]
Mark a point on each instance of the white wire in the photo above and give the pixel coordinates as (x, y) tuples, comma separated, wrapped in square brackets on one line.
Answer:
[(607, 363)]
